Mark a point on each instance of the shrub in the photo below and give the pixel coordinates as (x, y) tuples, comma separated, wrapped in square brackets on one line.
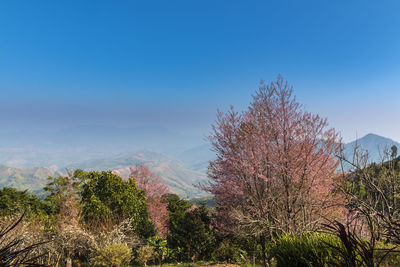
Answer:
[(145, 254), (114, 255), (229, 252), (309, 249)]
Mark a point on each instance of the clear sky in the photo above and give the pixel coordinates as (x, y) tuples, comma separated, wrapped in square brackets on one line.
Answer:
[(173, 63)]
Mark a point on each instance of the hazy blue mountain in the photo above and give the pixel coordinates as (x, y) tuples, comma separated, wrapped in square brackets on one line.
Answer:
[(98, 148), (76, 144), (374, 144), (33, 178), (117, 139), (197, 158), (172, 172)]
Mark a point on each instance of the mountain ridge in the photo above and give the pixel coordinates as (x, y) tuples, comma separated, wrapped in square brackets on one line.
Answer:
[(171, 171), (180, 172)]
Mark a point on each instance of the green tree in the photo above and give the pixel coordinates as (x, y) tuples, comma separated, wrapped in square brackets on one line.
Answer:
[(199, 238), (190, 229), (59, 188), (177, 209), (13, 201), (107, 200)]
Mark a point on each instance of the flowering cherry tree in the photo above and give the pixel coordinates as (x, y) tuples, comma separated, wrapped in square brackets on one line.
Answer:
[(155, 190), (274, 165)]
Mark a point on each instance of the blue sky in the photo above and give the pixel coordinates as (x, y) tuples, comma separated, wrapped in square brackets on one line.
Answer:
[(173, 63)]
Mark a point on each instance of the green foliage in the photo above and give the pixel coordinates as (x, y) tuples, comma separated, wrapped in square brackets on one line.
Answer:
[(190, 230), (114, 255), (200, 238), (145, 254), (385, 176), (242, 247), (57, 187), (209, 202), (106, 198), (177, 208), (229, 252), (390, 254), (310, 249), (13, 201), (160, 248)]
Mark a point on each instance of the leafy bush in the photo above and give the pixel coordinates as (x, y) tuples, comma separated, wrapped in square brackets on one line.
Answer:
[(108, 199), (114, 255), (145, 254), (13, 201), (229, 252), (309, 249), (160, 248)]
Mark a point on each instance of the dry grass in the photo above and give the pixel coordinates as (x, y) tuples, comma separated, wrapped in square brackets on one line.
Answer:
[(198, 264)]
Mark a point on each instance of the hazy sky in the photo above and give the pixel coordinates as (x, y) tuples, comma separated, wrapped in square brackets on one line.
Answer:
[(173, 63)]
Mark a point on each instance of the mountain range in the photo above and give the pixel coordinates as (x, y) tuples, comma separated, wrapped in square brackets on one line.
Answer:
[(180, 178), (181, 169), (60, 148)]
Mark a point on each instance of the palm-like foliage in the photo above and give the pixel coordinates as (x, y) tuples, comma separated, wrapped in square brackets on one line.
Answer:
[(354, 251), (11, 253)]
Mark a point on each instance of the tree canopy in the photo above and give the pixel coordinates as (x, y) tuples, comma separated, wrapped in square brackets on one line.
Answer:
[(107, 198), (14, 201)]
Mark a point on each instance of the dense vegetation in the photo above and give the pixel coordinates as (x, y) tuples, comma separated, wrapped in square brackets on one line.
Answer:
[(278, 200)]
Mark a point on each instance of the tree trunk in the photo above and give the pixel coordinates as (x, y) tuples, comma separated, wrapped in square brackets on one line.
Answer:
[(69, 262), (264, 252)]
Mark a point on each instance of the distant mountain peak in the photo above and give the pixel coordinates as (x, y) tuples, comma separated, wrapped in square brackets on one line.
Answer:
[(373, 139), (373, 143), (372, 135)]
